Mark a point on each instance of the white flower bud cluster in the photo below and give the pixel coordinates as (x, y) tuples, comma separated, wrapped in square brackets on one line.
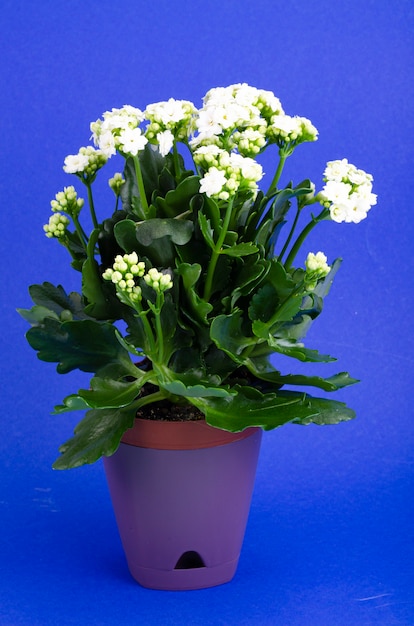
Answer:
[(159, 281), (67, 201), (119, 130), (116, 183), (124, 272), (57, 226), (286, 130), (347, 192), (226, 173), (88, 161), (316, 268), (170, 121)]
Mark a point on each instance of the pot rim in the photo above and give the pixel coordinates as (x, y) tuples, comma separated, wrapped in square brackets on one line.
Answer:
[(184, 435)]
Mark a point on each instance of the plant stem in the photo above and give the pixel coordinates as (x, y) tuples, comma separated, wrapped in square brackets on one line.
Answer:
[(292, 230), (81, 233), (278, 174), (302, 236), (216, 252), (91, 204), (141, 188), (177, 167)]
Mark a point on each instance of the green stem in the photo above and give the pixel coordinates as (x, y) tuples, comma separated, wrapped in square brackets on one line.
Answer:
[(216, 252), (302, 236), (278, 174), (149, 399), (141, 188), (158, 326), (292, 230), (177, 167), (147, 327), (91, 204), (81, 233)]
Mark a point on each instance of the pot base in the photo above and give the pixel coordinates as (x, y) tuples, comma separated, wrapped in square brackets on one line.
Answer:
[(184, 579)]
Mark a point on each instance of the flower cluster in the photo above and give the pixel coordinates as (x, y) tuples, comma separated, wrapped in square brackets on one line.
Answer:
[(124, 274), (125, 270), (226, 173), (347, 192), (67, 201), (119, 130), (316, 269), (288, 132), (57, 226), (159, 281), (86, 163), (169, 121), (116, 183)]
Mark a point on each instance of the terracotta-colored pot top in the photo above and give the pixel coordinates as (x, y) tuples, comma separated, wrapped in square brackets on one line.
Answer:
[(190, 435)]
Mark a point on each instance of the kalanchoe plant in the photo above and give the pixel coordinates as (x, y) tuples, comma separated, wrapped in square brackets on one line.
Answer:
[(189, 293)]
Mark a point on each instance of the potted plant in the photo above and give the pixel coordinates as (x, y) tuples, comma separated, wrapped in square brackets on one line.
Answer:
[(191, 308)]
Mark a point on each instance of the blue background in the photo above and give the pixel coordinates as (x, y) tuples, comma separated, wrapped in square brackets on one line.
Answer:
[(330, 535)]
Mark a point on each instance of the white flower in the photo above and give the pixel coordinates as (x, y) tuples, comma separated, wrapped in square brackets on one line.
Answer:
[(317, 263), (349, 190), (131, 141), (337, 191), (336, 170), (316, 269), (165, 141), (213, 182), (75, 163), (106, 143)]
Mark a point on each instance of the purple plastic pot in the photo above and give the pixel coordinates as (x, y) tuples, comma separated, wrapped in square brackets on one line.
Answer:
[(182, 511)]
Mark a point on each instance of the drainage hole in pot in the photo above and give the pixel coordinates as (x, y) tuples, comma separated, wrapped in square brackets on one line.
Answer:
[(190, 560)]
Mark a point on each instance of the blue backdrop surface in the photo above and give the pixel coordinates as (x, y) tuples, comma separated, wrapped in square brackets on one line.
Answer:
[(330, 534)]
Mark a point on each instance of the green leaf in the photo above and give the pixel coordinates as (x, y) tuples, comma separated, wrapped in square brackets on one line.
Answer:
[(86, 345), (240, 249), (37, 314), (179, 231), (250, 407), (190, 274), (178, 200), (177, 387), (97, 435), (206, 230), (106, 393), (125, 235), (263, 370), (57, 301), (227, 333), (71, 403), (292, 348)]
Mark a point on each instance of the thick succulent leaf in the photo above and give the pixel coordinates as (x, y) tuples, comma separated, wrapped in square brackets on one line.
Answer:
[(178, 200), (97, 434), (206, 230), (106, 393), (177, 387), (297, 350), (240, 249), (263, 370), (199, 308), (37, 314), (71, 403), (227, 333), (86, 345), (54, 299), (179, 231), (250, 407)]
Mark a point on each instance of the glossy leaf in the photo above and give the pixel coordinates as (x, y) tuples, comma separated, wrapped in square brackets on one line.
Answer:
[(97, 434)]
